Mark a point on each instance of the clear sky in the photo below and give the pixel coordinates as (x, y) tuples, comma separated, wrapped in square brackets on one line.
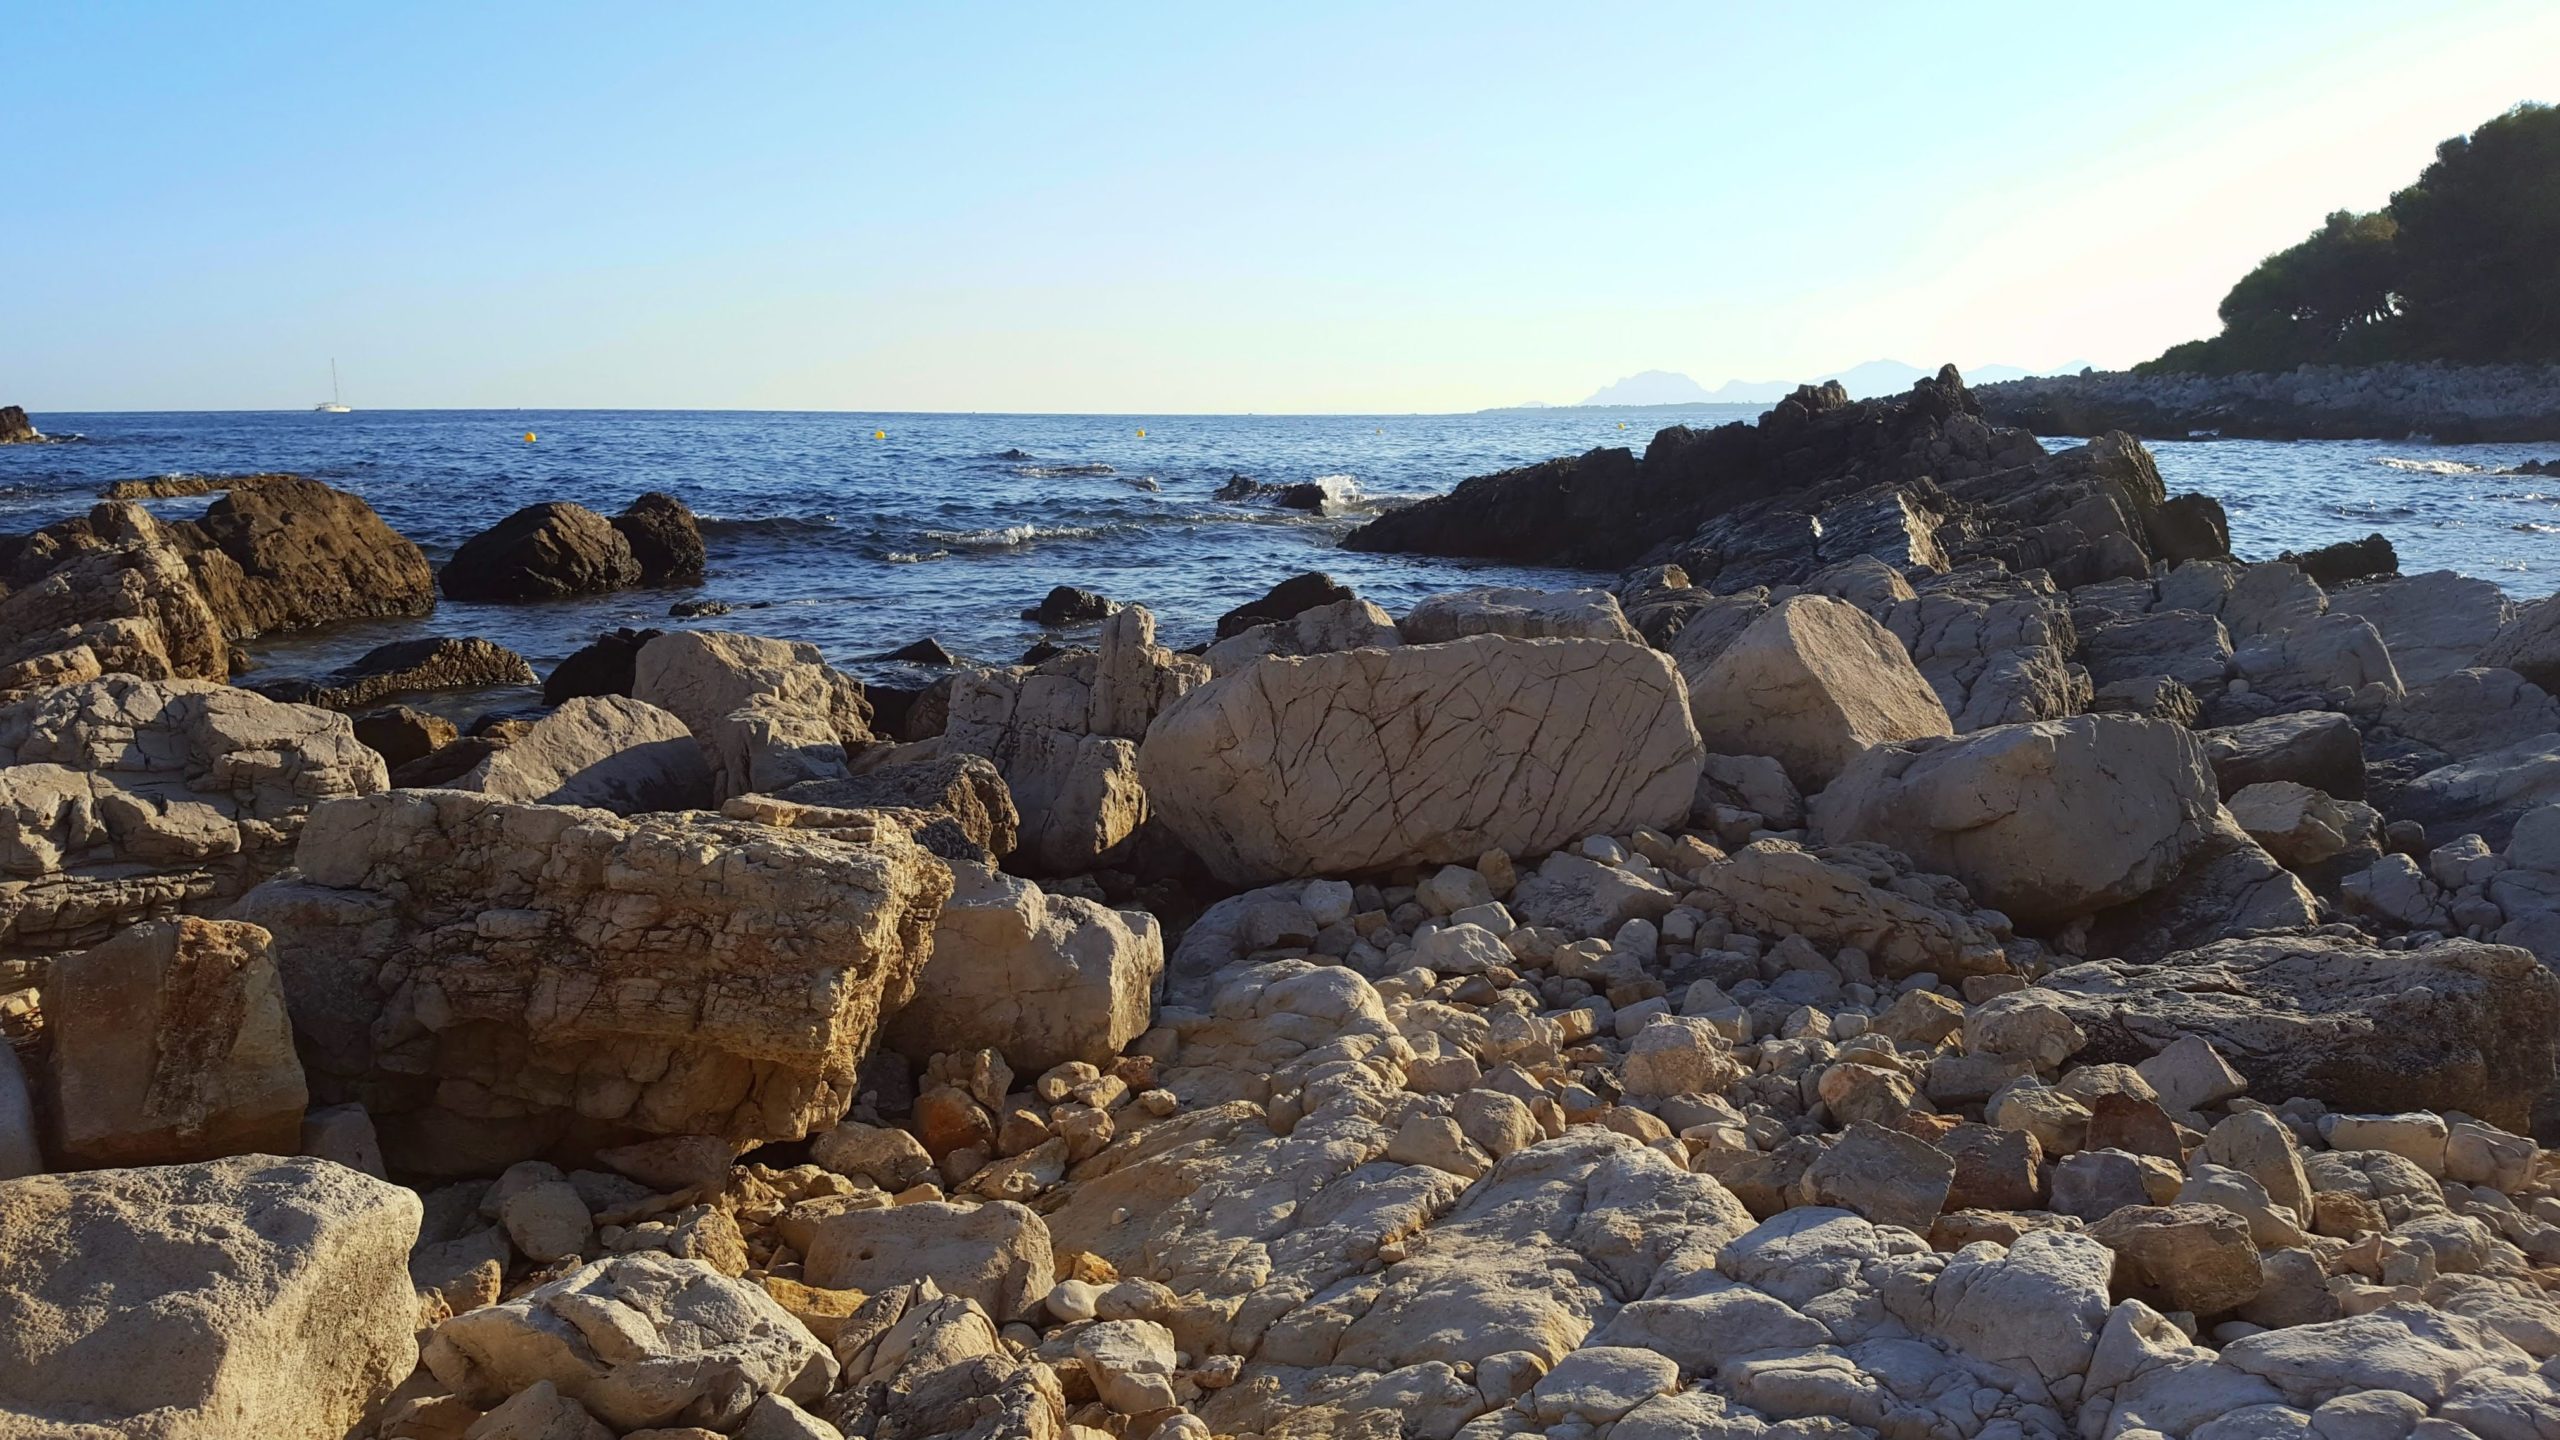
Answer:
[(1139, 208)]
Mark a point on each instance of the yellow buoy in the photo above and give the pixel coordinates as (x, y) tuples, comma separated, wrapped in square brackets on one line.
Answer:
[(1142, 434), (1622, 424), (879, 434), (528, 437)]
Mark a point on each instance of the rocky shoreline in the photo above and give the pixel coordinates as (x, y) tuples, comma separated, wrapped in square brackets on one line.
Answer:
[(2450, 404), (1940, 948)]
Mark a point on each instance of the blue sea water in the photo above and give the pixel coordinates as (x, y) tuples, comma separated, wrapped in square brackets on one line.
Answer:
[(863, 532)]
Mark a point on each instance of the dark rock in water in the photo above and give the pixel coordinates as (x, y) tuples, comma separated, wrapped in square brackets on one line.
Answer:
[(2334, 565), (289, 554), (1040, 651), (606, 667), (1285, 601), (446, 763), (1918, 479), (1141, 482), (2537, 467), (1015, 455), (404, 667), (927, 651), (696, 609), (1243, 487), (15, 428), (1315, 496), (1067, 605), (2191, 527), (967, 788), (2318, 748), (503, 725), (401, 734), (542, 552), (173, 487), (664, 537)]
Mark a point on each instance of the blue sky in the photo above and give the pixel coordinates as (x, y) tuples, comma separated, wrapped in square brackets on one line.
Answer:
[(1134, 208)]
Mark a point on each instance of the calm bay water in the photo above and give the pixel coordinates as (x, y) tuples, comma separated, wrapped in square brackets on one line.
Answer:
[(948, 525)]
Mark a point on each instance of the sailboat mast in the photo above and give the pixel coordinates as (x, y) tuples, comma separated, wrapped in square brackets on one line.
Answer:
[(334, 397)]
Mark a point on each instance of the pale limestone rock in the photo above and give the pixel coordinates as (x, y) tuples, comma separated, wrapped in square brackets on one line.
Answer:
[(1887, 1176), (640, 1340), (248, 1296), (538, 1412), (1353, 624), (1599, 1383), (2408, 1349), (491, 978), (1757, 783), (2298, 825), (2188, 1074), (1860, 895), (128, 799), (345, 1134), (1585, 897), (763, 711), (1043, 979), (997, 1255), (170, 1044), (2197, 1258), (1131, 1362), (2416, 1136), (1299, 766), (1063, 734), (607, 751), (1520, 614), (1996, 645), (1813, 684), (2042, 822), (2454, 1026), (1679, 1056), (2472, 712)]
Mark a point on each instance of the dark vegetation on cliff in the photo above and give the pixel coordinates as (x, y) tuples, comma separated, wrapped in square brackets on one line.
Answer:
[(2463, 265)]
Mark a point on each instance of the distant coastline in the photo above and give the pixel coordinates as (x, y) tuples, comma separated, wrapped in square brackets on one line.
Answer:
[(2450, 404)]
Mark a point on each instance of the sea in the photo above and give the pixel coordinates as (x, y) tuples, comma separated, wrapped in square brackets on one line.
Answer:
[(863, 533)]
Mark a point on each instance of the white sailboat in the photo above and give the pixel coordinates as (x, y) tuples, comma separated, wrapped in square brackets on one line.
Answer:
[(333, 405)]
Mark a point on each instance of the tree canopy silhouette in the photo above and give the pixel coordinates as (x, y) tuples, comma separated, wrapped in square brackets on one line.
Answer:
[(2464, 265)]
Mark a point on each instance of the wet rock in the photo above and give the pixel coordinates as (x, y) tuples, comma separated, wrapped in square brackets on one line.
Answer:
[(280, 1301), (400, 733), (604, 751), (2336, 564), (488, 978), (1562, 738), (406, 667), (2043, 822), (664, 539), (1066, 605), (169, 1044), (15, 428), (1813, 683), (541, 552), (1285, 601), (605, 666)]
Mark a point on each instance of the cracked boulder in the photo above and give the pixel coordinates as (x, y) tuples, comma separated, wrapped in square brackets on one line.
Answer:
[(1422, 754), (492, 980), (1041, 979), (767, 713), (1814, 683)]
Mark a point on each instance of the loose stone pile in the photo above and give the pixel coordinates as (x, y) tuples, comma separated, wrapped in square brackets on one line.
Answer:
[(1996, 968)]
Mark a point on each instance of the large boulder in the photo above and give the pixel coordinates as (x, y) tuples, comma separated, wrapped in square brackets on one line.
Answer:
[(406, 667), (605, 666), (541, 552), (250, 1296), (2469, 713), (767, 713), (1285, 601), (1814, 683), (1342, 625), (2318, 748), (2044, 822), (291, 554), (2483, 795), (492, 979), (2529, 644), (2454, 1026), (2229, 886), (605, 751), (641, 1341), (665, 539), (117, 601), (1041, 979), (169, 1043), (131, 799), (1064, 734), (1366, 759)]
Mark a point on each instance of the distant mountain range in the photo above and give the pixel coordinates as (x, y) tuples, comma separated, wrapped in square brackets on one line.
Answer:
[(1875, 377)]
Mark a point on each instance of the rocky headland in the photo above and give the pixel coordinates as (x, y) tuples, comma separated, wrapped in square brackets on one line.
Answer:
[(2398, 400), (1937, 948)]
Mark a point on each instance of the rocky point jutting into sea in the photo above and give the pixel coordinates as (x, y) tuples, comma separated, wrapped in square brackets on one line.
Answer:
[(1940, 949), (2448, 403)]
